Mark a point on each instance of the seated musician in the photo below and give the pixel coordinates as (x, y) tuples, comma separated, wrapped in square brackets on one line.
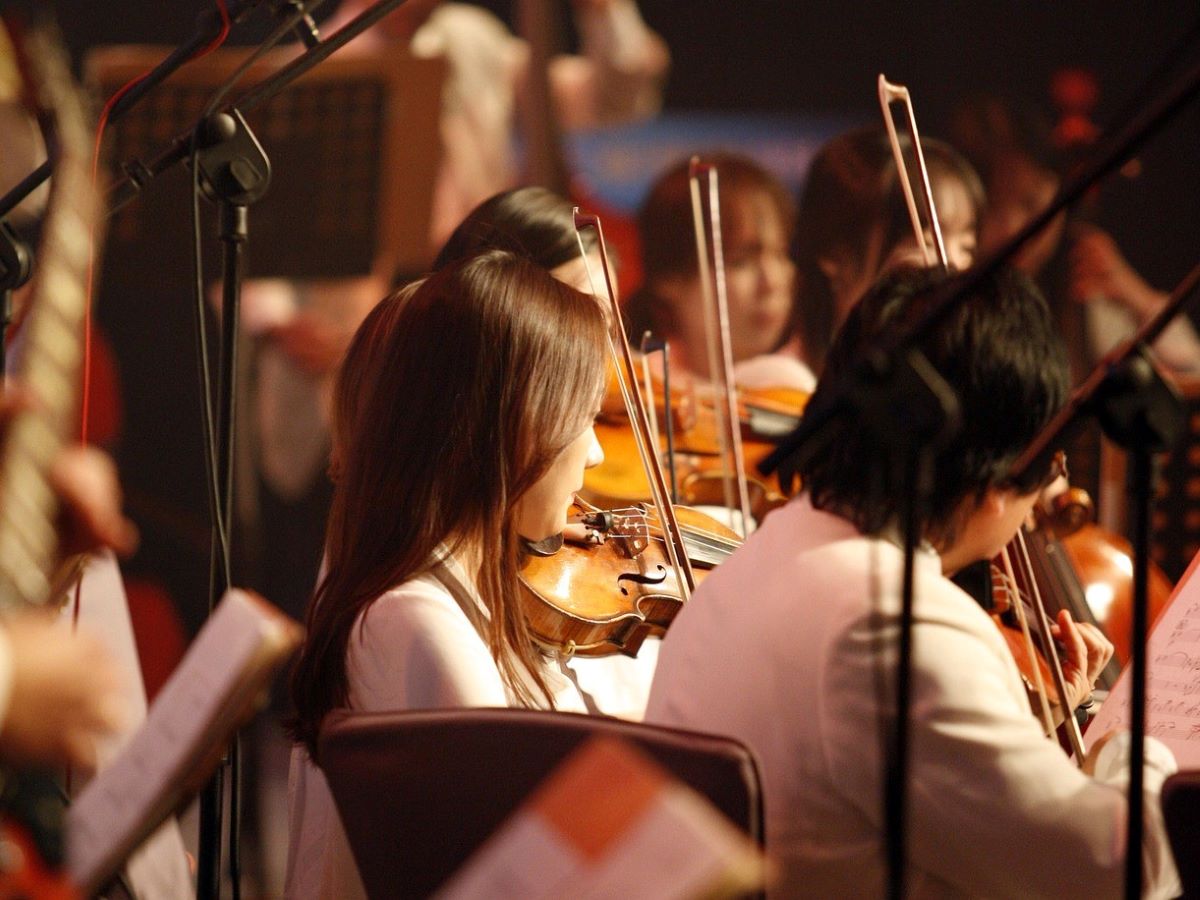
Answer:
[(475, 435), (537, 224), (757, 224), (791, 644)]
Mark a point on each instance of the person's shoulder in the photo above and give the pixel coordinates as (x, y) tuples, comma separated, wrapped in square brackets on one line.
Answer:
[(418, 606), (414, 647)]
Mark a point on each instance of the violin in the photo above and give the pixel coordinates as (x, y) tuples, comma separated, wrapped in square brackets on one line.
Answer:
[(609, 584), (765, 416), (626, 572), (1088, 570), (1031, 663)]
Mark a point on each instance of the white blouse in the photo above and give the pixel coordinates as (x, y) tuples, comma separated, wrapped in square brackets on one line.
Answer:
[(415, 648)]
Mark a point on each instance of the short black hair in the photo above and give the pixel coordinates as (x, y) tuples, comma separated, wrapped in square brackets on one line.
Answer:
[(998, 350)]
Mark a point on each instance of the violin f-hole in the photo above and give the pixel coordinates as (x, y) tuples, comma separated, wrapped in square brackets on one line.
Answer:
[(642, 579)]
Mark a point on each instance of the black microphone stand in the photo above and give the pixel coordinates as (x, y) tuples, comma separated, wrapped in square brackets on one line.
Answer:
[(208, 26), (1142, 413), (233, 172), (910, 407), (138, 174), (16, 265)]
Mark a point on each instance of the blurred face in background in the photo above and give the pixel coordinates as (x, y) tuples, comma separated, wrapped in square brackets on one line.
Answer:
[(959, 221), (760, 276)]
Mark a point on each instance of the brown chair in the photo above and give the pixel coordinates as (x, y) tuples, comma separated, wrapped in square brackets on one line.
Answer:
[(418, 792), (1181, 812)]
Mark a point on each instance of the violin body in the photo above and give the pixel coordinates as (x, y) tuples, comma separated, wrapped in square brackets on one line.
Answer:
[(766, 416), (600, 598), (1030, 659)]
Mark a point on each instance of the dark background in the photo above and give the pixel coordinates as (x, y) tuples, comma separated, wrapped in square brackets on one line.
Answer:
[(780, 56), (822, 57)]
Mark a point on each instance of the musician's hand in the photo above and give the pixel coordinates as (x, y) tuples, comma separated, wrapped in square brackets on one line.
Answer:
[(85, 479), (1098, 270), (1088, 652), (85, 482), (64, 695)]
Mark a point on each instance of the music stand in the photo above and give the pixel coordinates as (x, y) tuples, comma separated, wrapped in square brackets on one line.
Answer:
[(354, 148), (1176, 521)]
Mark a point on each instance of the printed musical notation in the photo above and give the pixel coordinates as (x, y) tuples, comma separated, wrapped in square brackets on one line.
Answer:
[(1173, 680)]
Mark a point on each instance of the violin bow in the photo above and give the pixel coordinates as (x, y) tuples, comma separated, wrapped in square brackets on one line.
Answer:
[(716, 331), (890, 93), (622, 356)]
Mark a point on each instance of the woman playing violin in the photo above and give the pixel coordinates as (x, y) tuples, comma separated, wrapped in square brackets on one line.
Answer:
[(470, 433), (538, 224), (757, 224)]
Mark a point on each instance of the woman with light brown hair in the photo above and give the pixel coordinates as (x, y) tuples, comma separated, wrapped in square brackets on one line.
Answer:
[(473, 435)]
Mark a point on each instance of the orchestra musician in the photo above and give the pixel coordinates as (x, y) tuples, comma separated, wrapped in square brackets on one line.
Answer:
[(804, 674), (1097, 296), (450, 461), (853, 226), (757, 223)]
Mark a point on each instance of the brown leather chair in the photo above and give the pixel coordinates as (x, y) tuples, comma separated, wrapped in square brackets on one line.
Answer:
[(1181, 812), (418, 792)]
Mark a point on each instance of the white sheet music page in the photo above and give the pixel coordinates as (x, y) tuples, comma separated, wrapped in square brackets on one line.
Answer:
[(190, 720), (1172, 678)]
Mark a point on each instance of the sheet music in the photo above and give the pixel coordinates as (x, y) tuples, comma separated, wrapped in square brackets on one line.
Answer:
[(149, 776), (1172, 679), (158, 868)]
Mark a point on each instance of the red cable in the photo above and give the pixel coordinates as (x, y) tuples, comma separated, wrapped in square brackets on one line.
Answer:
[(102, 121)]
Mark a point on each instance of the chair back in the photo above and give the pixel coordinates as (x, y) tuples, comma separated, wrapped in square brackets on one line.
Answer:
[(418, 792), (1181, 812)]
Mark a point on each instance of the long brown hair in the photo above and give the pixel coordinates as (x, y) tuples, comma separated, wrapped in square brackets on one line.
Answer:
[(484, 373), (359, 370)]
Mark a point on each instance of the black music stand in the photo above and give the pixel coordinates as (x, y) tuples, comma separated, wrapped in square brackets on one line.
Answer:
[(354, 147), (1176, 517)]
